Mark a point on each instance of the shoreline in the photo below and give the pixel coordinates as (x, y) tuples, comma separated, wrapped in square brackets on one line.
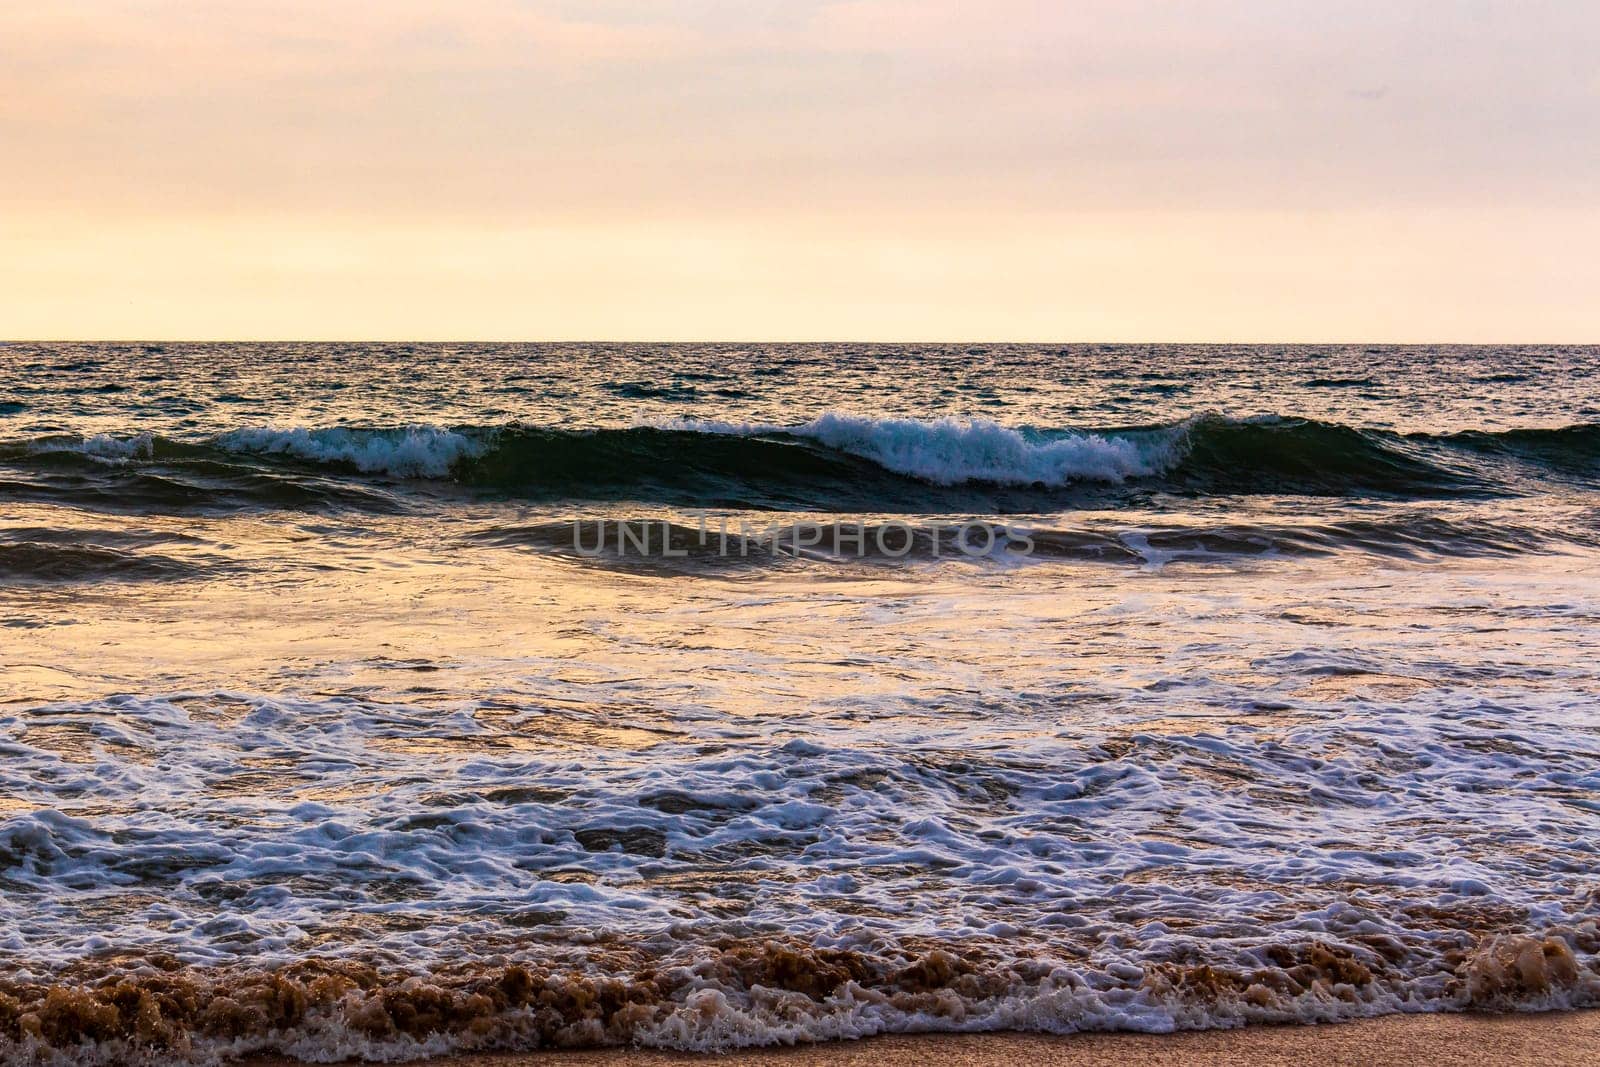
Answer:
[(1546, 1039)]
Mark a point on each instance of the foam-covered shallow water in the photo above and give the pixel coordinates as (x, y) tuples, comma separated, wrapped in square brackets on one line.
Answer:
[(325, 730)]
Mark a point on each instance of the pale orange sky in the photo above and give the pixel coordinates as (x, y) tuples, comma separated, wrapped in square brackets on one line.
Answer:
[(804, 169)]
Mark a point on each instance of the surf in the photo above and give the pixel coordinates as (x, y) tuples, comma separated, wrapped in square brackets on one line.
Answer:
[(837, 461)]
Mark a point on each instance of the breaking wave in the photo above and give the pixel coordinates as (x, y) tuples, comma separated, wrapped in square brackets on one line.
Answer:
[(413, 452), (834, 462), (952, 452)]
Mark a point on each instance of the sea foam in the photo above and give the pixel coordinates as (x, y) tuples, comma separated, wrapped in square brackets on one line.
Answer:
[(950, 451), (100, 446), (412, 452)]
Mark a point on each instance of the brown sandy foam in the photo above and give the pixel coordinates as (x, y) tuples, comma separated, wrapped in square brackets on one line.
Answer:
[(159, 1010)]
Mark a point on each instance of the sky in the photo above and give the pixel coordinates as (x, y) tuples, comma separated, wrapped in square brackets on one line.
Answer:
[(895, 170)]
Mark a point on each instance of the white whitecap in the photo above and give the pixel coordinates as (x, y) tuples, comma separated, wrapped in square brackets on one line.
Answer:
[(950, 451), (412, 452), (101, 446)]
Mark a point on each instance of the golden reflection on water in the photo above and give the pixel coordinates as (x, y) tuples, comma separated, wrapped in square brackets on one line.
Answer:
[(1374, 686), (547, 652), (72, 742)]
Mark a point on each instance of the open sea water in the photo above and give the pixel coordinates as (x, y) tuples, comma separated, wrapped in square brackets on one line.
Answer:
[(376, 700)]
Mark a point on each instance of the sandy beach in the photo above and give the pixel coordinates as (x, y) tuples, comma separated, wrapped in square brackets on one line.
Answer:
[(1550, 1039)]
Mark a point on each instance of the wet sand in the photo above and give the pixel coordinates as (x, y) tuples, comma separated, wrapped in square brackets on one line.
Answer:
[(1550, 1040)]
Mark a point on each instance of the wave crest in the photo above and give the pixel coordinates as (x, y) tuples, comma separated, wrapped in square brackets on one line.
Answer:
[(835, 462), (951, 452), (410, 452)]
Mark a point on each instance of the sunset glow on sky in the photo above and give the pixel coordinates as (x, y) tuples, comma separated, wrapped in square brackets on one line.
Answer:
[(803, 169)]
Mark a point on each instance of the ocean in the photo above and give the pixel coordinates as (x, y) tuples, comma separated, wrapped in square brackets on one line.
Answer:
[(379, 700)]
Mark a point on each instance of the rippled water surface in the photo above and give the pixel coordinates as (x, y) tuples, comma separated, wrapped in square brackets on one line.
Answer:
[(1268, 693)]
